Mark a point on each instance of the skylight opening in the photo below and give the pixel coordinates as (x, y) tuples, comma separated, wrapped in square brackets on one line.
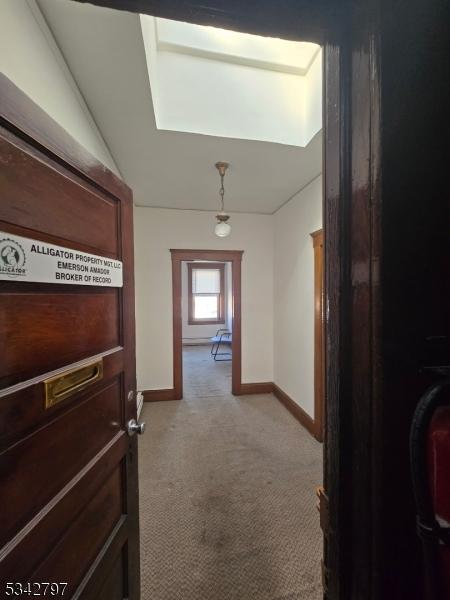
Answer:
[(229, 84)]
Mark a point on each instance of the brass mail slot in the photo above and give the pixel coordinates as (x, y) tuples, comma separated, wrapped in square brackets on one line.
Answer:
[(70, 382)]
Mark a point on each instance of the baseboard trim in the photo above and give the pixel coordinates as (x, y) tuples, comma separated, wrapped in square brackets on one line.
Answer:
[(297, 411), (265, 387), (159, 395)]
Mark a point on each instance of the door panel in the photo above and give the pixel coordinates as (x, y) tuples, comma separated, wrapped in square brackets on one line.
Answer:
[(70, 499), (80, 544), (48, 459), (113, 583), (61, 327), (68, 470), (92, 221), (25, 412)]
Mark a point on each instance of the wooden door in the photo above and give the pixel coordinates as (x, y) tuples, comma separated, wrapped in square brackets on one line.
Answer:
[(68, 468)]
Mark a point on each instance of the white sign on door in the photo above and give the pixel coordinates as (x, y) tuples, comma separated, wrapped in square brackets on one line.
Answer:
[(24, 259)]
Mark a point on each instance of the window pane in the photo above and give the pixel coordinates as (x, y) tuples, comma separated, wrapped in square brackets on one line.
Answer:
[(205, 281), (206, 307)]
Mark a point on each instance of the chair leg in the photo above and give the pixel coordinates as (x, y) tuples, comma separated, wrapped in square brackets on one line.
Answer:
[(217, 353)]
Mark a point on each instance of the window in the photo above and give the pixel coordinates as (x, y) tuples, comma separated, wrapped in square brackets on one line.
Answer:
[(206, 293)]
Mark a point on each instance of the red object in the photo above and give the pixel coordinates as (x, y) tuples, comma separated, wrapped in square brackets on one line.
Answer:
[(439, 477)]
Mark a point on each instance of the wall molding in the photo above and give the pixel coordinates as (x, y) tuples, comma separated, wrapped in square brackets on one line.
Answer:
[(256, 388), (159, 395), (295, 409)]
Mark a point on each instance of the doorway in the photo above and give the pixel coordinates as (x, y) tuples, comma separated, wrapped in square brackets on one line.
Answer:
[(207, 322), (225, 318)]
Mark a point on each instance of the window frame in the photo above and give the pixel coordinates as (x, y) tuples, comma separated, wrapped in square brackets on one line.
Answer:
[(192, 266)]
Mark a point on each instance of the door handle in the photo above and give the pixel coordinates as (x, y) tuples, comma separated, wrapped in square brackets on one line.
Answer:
[(134, 427)]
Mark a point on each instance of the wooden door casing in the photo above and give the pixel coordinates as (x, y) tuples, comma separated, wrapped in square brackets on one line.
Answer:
[(68, 473), (319, 335)]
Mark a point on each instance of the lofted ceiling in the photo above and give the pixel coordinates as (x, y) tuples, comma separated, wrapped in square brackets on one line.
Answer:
[(105, 52)]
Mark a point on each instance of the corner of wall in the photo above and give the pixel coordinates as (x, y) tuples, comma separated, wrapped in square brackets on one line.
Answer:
[(98, 147), (294, 308)]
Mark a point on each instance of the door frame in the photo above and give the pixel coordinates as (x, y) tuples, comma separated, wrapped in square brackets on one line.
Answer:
[(178, 257), (319, 335)]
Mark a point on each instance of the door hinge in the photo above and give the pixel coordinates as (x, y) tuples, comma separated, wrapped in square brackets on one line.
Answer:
[(324, 511)]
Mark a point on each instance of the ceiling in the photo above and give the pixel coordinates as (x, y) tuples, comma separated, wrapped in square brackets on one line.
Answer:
[(105, 52)]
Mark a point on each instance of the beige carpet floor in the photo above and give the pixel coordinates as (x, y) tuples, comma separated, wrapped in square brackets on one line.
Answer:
[(227, 501)]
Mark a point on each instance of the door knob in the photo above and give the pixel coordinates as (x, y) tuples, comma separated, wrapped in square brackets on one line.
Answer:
[(134, 427)]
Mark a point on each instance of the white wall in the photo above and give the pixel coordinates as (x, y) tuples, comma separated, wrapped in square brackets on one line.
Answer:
[(263, 50), (158, 230), (294, 294), (30, 57), (195, 334), (263, 105), (312, 104)]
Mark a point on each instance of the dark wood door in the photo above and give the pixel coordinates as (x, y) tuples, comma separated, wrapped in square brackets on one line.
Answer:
[(68, 468)]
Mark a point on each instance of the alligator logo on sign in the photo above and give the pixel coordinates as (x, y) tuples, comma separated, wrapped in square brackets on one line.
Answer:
[(12, 258)]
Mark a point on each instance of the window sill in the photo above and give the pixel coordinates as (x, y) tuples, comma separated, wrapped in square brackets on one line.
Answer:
[(206, 322)]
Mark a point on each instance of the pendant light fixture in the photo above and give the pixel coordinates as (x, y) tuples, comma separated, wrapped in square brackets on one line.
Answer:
[(222, 228)]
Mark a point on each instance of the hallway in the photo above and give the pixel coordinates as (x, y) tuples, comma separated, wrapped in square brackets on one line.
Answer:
[(227, 495)]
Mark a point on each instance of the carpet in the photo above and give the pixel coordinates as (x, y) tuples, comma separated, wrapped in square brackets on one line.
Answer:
[(227, 495)]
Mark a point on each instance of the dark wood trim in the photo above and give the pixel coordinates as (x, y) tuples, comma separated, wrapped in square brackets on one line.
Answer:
[(297, 411), (256, 388), (290, 19), (128, 335), (159, 395), (221, 313), (183, 255), (177, 328), (237, 330), (337, 443), (319, 335), (31, 123)]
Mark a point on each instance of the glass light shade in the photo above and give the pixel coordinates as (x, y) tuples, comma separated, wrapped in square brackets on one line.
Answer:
[(222, 229)]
